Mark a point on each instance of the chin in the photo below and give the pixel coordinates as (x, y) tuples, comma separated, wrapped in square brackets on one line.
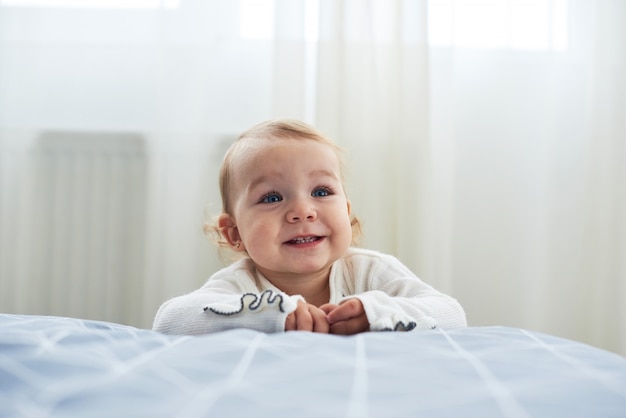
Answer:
[(312, 268)]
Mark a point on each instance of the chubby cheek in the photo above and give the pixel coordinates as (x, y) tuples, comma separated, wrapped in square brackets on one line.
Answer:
[(344, 230), (256, 237), (348, 234)]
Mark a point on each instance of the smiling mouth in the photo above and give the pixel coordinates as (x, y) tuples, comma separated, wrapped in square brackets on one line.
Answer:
[(303, 240)]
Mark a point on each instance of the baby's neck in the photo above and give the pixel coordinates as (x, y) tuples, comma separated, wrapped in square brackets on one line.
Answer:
[(319, 297), (315, 288)]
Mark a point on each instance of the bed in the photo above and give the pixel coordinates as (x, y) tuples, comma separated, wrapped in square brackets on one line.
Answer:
[(66, 367)]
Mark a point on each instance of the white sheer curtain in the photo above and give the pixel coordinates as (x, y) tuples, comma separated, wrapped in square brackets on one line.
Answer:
[(492, 163), (530, 150)]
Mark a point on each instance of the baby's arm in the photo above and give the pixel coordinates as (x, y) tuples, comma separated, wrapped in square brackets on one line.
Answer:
[(213, 309), (387, 311), (395, 299)]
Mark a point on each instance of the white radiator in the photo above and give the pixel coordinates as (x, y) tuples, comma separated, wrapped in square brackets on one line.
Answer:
[(105, 226), (72, 223)]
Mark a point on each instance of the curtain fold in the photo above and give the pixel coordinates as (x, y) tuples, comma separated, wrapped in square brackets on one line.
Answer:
[(372, 96), (603, 256), (528, 162)]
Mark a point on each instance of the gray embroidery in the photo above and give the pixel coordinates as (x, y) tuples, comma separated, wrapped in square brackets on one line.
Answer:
[(401, 326), (255, 301)]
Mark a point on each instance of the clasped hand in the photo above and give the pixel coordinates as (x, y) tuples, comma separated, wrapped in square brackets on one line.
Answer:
[(346, 318)]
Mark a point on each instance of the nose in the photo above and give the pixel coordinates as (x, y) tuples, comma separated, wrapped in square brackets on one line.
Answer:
[(301, 211)]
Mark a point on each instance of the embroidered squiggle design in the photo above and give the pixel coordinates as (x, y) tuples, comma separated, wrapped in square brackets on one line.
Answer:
[(256, 301), (401, 326)]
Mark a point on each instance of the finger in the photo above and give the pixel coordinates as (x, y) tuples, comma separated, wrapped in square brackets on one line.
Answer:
[(320, 324), (351, 326), (348, 309), (290, 322), (304, 320), (328, 307)]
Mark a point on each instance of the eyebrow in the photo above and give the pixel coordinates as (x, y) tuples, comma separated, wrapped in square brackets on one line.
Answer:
[(259, 180), (264, 178), (327, 173)]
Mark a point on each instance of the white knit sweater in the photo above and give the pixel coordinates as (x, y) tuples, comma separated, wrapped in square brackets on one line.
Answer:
[(238, 296)]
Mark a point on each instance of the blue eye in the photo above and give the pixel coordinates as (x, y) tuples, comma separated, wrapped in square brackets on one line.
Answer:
[(272, 197), (321, 192)]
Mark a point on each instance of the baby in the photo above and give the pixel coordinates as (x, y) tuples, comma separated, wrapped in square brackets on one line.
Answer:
[(286, 212)]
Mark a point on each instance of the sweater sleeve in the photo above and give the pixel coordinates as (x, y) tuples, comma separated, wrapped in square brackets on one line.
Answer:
[(225, 302), (395, 299)]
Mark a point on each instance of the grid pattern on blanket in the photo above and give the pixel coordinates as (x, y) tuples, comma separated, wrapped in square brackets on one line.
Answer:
[(61, 367)]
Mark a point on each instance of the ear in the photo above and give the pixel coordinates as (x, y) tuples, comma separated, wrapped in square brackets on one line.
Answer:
[(230, 232)]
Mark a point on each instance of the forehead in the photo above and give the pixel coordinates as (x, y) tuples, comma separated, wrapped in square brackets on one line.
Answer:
[(253, 154)]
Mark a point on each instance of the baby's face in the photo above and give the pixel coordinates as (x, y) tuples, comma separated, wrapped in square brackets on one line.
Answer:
[(289, 206)]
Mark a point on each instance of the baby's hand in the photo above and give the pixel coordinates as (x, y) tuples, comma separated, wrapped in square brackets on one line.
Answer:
[(307, 317), (347, 318)]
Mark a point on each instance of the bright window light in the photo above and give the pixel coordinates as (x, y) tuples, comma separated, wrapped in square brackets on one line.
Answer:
[(95, 4), (256, 19), (498, 24), (312, 22)]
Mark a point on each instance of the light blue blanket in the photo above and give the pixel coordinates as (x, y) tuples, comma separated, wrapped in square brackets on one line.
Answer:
[(63, 367)]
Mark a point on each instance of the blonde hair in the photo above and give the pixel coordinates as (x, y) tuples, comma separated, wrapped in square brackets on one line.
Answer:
[(271, 130)]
